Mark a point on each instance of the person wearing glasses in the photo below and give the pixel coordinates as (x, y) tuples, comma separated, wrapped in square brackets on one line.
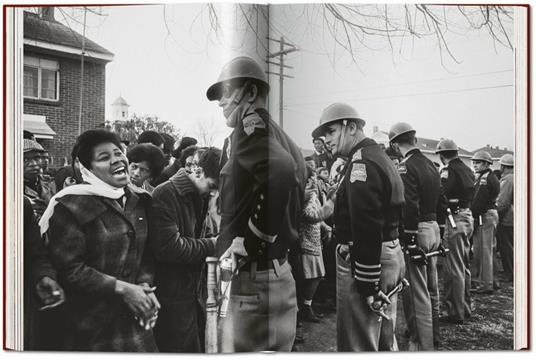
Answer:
[(180, 251), (36, 188)]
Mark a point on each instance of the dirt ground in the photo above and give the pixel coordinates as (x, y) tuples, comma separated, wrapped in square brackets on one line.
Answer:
[(489, 328)]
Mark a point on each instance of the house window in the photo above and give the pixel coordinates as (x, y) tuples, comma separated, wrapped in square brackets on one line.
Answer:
[(41, 79), (124, 114)]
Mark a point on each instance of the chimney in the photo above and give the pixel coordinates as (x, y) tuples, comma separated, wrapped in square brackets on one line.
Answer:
[(47, 13), (375, 129)]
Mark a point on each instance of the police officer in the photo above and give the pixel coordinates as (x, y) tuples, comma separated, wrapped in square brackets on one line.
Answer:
[(484, 211), (370, 261), (261, 190), (420, 235), (457, 182), (505, 208)]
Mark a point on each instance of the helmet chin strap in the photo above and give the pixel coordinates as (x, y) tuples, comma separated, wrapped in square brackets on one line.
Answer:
[(342, 135), (237, 100)]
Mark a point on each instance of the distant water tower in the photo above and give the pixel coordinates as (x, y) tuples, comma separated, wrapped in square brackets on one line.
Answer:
[(120, 109)]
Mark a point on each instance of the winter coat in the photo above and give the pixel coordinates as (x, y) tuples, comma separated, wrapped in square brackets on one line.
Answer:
[(311, 224), (93, 242), (177, 214)]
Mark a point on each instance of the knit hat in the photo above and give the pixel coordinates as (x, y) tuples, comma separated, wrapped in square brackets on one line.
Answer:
[(32, 145)]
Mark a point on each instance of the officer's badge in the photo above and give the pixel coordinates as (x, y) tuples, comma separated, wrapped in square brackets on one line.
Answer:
[(483, 181), (402, 168), (359, 172), (444, 173), (252, 122)]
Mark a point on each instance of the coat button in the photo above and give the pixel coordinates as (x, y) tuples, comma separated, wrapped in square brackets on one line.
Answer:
[(125, 273), (263, 244), (260, 252), (131, 233)]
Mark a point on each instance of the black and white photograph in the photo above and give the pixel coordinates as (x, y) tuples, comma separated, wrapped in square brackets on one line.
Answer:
[(234, 177)]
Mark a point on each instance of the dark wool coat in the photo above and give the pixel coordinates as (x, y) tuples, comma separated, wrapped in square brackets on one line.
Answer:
[(176, 214), (92, 243)]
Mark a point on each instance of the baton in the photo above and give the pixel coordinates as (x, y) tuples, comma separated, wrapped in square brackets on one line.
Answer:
[(451, 218), (211, 327), (431, 254), (404, 283)]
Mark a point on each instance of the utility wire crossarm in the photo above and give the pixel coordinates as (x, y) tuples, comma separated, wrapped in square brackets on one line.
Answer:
[(281, 64)]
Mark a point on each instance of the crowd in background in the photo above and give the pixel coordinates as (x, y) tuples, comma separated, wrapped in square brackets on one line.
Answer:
[(152, 219)]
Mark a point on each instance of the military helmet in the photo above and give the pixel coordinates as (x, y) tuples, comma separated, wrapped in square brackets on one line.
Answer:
[(446, 145), (482, 156), (507, 160), (336, 112), (399, 129), (238, 68)]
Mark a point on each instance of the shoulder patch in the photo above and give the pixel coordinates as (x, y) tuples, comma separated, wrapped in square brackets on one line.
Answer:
[(251, 122), (359, 172), (444, 173), (357, 155)]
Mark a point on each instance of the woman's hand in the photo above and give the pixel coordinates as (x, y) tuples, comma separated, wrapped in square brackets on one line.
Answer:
[(50, 293), (138, 299)]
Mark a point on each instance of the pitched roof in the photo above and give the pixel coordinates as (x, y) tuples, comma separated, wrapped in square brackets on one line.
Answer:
[(39, 29), (120, 101)]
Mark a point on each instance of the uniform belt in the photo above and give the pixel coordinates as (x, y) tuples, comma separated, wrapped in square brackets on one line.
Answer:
[(263, 265), (428, 217), (459, 204)]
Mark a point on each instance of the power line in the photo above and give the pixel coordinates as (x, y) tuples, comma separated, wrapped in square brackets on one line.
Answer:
[(411, 83), (411, 94), (284, 49)]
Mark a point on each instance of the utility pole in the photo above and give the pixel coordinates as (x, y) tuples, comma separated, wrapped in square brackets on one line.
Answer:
[(284, 49)]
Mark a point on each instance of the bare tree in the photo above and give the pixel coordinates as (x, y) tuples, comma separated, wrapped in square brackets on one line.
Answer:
[(206, 132), (354, 26)]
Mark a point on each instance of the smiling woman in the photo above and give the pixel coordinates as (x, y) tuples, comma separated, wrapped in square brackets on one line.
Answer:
[(97, 233)]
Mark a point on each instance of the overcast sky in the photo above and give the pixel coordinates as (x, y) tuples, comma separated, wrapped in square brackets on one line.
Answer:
[(165, 71)]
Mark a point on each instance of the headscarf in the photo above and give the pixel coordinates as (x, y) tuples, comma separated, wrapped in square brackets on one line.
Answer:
[(94, 186)]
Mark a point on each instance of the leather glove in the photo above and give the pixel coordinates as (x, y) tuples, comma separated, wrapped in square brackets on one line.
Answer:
[(417, 255), (441, 250), (408, 239)]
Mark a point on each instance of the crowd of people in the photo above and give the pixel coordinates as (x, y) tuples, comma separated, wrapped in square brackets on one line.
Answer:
[(115, 244)]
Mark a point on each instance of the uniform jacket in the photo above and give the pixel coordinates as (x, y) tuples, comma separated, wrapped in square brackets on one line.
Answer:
[(457, 181), (367, 211), (421, 189), (93, 242), (505, 201), (261, 188), (486, 191)]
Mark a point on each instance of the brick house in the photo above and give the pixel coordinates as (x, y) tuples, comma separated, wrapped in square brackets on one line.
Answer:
[(52, 75)]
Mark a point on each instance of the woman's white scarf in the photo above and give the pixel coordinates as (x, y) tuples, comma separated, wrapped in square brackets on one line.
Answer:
[(95, 187)]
